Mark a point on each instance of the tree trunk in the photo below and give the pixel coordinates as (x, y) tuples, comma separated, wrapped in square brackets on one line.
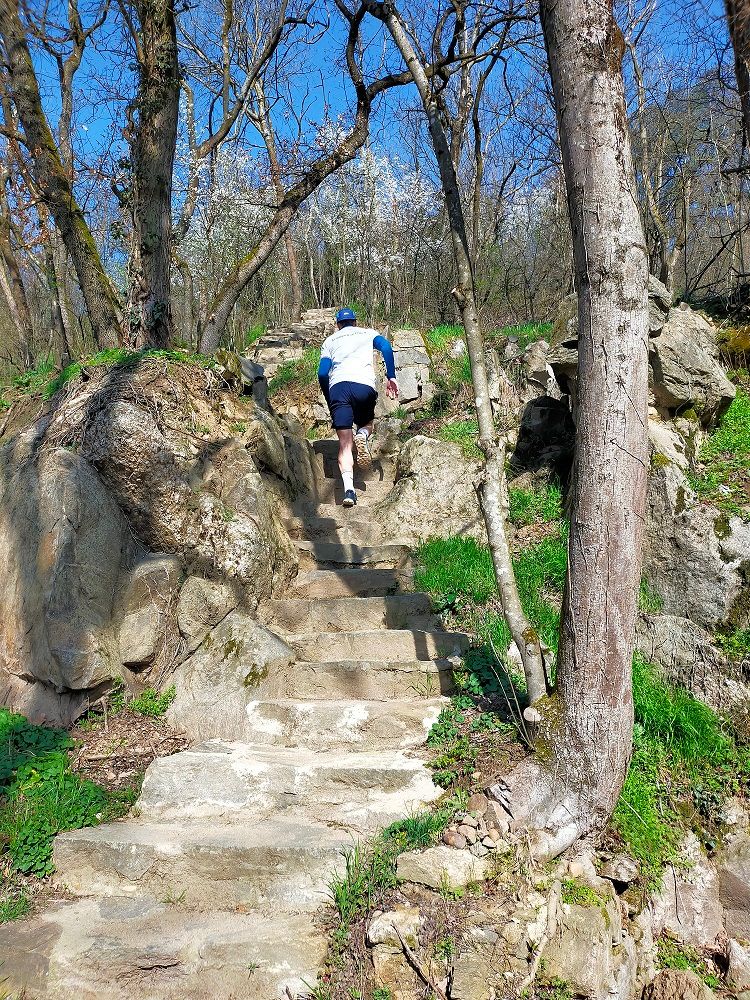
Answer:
[(738, 19), (594, 743), (12, 282), (493, 488), (154, 135), (52, 180)]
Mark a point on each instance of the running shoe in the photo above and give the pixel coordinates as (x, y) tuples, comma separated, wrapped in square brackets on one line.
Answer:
[(364, 455), (350, 498)]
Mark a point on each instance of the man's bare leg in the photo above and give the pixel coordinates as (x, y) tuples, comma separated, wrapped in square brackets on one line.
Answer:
[(346, 460)]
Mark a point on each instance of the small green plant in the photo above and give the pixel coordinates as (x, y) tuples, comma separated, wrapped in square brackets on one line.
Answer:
[(13, 906), (575, 893), (735, 644), (298, 373), (152, 704), (649, 599), (171, 898), (449, 891), (238, 428), (382, 993), (445, 949), (553, 989), (670, 954)]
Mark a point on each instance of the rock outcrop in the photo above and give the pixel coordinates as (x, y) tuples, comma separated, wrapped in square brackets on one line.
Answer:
[(136, 483)]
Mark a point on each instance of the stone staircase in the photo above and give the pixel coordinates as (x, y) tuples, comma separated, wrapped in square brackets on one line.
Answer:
[(210, 888)]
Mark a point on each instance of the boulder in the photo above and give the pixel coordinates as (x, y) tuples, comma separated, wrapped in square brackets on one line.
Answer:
[(412, 373), (688, 658), (695, 559), (213, 507), (688, 905), (685, 368), (384, 928), (61, 542), (738, 965), (685, 373), (202, 605), (676, 984), (144, 608), (223, 676), (581, 949), (733, 863), (442, 867), (473, 973), (433, 494)]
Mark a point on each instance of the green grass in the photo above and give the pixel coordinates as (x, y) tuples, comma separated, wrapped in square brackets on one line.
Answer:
[(254, 334), (371, 868), (439, 337), (682, 752), (40, 796), (42, 380), (13, 906), (527, 333), (540, 505), (724, 477), (670, 954), (649, 599), (575, 893), (296, 374), (464, 433)]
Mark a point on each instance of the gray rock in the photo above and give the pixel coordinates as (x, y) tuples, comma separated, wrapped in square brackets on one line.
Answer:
[(733, 863), (473, 972), (202, 605), (224, 675), (581, 949), (693, 558), (439, 867), (688, 904), (145, 604), (454, 839), (433, 494), (674, 984), (468, 833), (684, 360), (738, 971), (61, 543), (687, 657), (384, 927), (621, 868)]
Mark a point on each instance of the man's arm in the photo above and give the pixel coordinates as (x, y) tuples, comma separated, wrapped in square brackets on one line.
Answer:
[(382, 345), (324, 371)]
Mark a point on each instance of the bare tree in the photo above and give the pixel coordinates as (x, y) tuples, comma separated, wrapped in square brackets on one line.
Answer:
[(444, 129), (738, 21)]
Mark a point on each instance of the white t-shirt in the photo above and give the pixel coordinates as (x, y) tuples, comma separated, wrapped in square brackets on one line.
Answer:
[(351, 352)]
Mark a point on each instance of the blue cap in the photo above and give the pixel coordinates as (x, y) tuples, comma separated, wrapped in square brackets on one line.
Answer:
[(345, 314)]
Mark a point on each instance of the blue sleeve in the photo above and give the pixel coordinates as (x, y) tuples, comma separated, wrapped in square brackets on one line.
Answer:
[(324, 368), (382, 345)]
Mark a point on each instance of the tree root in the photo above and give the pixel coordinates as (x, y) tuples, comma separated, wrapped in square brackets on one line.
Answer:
[(543, 804)]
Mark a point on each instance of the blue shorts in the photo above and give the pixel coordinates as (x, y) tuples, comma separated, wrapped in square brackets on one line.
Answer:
[(352, 403)]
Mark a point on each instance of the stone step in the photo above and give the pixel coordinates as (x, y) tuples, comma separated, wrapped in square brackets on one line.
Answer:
[(342, 614), (317, 583), (236, 781), (120, 948), (275, 863), (381, 645), (369, 681), (334, 553), (330, 489), (346, 527), (366, 725)]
